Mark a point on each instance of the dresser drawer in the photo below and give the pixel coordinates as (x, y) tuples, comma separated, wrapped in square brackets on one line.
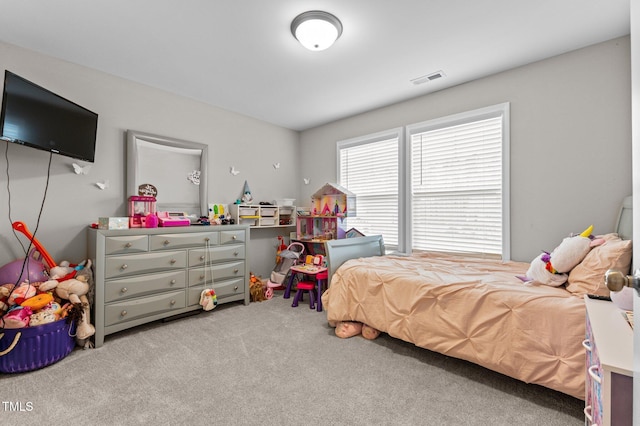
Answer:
[(223, 289), (121, 266), (219, 272), (232, 237), (118, 312), (127, 288), (198, 257), (174, 241), (126, 244)]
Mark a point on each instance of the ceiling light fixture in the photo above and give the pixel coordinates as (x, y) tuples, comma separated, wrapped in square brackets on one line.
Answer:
[(316, 30)]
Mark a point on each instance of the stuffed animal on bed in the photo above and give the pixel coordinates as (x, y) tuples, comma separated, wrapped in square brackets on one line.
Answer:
[(552, 269)]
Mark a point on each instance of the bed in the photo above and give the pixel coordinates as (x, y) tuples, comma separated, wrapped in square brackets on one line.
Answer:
[(475, 309)]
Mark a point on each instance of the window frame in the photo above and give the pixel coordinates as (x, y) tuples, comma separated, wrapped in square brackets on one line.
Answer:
[(394, 133), (493, 111)]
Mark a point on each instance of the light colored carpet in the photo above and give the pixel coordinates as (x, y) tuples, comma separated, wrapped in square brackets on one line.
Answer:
[(271, 364)]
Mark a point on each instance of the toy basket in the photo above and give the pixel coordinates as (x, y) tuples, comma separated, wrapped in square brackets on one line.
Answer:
[(31, 348)]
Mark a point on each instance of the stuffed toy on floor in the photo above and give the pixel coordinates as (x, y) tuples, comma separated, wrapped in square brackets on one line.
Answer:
[(552, 269), (346, 329), (256, 288)]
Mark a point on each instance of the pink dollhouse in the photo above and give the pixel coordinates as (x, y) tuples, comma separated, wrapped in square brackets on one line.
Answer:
[(331, 204)]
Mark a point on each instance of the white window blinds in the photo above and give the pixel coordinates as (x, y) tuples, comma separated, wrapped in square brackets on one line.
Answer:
[(456, 182), (368, 167)]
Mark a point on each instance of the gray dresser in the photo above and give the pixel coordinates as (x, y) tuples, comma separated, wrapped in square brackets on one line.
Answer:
[(146, 274)]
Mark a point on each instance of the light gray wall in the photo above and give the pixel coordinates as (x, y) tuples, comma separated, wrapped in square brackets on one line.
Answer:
[(74, 201), (570, 140), (570, 152)]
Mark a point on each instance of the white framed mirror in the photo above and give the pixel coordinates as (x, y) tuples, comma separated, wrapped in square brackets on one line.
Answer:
[(176, 170)]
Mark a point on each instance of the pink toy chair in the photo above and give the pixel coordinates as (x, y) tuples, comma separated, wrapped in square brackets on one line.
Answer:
[(309, 287)]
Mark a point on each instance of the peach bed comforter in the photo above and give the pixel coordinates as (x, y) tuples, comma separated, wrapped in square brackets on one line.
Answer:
[(473, 309)]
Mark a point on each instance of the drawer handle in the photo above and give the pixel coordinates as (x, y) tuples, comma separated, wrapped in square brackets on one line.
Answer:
[(165, 242), (125, 266), (173, 302), (172, 261), (234, 237), (128, 245), (235, 288), (235, 253), (172, 282), (202, 257), (201, 277), (235, 271), (123, 290), (592, 372), (207, 239), (587, 344), (123, 313)]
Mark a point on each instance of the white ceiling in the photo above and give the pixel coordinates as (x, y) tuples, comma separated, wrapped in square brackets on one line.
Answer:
[(240, 55)]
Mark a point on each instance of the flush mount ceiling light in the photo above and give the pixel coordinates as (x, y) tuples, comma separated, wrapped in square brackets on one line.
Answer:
[(316, 30)]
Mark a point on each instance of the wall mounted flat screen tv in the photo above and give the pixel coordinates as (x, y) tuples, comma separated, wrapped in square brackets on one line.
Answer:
[(36, 117)]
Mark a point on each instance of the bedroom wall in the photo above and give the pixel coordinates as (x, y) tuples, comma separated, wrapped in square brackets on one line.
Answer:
[(570, 140), (570, 152), (74, 201)]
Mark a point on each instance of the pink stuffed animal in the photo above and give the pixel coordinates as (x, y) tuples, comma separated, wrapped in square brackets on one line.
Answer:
[(17, 317)]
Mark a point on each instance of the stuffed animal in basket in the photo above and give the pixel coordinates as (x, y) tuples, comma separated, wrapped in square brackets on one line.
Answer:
[(85, 328), (17, 317), (552, 269), (20, 293), (75, 290), (5, 290), (63, 269)]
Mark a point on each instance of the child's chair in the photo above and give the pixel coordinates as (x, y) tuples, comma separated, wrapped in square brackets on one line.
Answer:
[(302, 287)]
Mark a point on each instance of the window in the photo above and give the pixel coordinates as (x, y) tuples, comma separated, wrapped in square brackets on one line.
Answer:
[(445, 189), (368, 167), (457, 182)]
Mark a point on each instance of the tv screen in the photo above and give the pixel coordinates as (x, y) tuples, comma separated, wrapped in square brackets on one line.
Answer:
[(36, 117)]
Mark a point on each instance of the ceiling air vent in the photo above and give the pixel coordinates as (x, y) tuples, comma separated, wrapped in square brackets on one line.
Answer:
[(425, 78)]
